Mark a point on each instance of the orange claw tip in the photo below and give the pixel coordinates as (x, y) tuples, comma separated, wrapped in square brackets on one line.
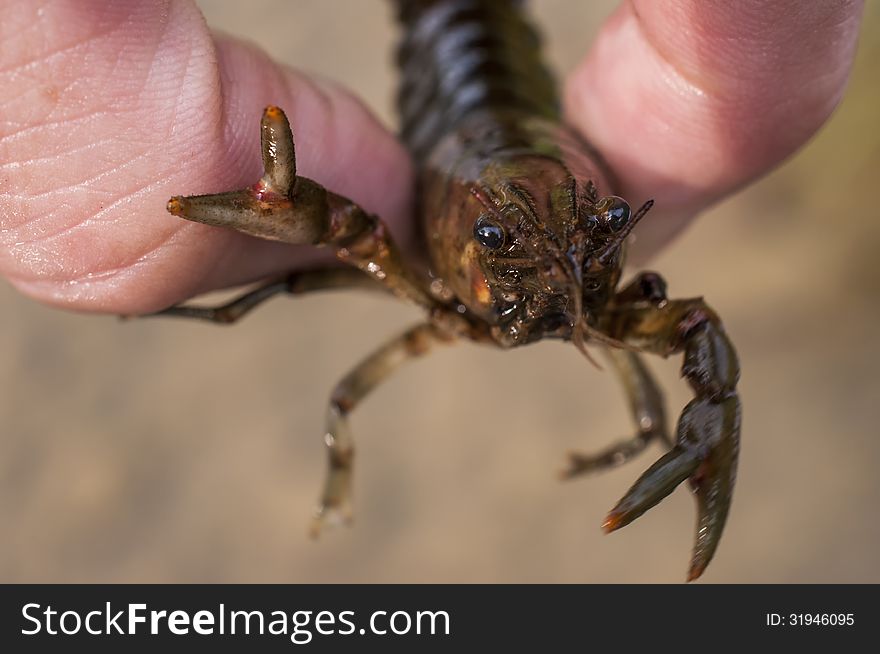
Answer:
[(612, 522), (175, 206), (272, 111), (696, 570)]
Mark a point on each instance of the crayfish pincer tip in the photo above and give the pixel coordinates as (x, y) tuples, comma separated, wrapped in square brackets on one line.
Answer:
[(612, 522), (695, 572), (656, 483), (175, 206)]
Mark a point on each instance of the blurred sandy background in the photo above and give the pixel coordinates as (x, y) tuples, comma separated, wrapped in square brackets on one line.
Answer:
[(176, 451)]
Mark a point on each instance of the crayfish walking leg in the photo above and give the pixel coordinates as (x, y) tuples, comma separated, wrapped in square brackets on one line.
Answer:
[(306, 281), (644, 396), (336, 496), (646, 405)]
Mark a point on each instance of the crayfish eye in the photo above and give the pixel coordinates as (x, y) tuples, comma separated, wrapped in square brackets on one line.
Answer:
[(615, 213), (488, 233)]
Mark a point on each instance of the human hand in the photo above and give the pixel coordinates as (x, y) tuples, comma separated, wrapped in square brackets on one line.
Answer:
[(115, 107)]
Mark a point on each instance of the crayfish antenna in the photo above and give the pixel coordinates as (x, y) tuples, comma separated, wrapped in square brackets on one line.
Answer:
[(577, 337)]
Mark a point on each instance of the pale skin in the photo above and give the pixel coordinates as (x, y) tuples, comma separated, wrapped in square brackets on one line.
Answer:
[(699, 90)]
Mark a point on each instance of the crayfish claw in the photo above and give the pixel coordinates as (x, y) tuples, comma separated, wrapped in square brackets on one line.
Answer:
[(713, 485), (707, 439), (280, 206), (705, 453), (656, 482)]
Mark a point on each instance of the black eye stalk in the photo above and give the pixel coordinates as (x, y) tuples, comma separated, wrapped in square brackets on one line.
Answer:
[(488, 233), (614, 215), (610, 214)]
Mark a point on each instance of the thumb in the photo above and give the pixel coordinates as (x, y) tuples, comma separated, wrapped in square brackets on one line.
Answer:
[(118, 106)]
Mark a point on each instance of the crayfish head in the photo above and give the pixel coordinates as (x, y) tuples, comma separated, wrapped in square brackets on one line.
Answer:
[(538, 252), (528, 247)]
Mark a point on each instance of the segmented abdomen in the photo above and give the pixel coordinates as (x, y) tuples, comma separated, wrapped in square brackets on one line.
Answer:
[(459, 57)]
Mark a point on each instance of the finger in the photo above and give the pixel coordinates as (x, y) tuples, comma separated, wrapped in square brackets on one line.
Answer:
[(115, 107), (690, 99)]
